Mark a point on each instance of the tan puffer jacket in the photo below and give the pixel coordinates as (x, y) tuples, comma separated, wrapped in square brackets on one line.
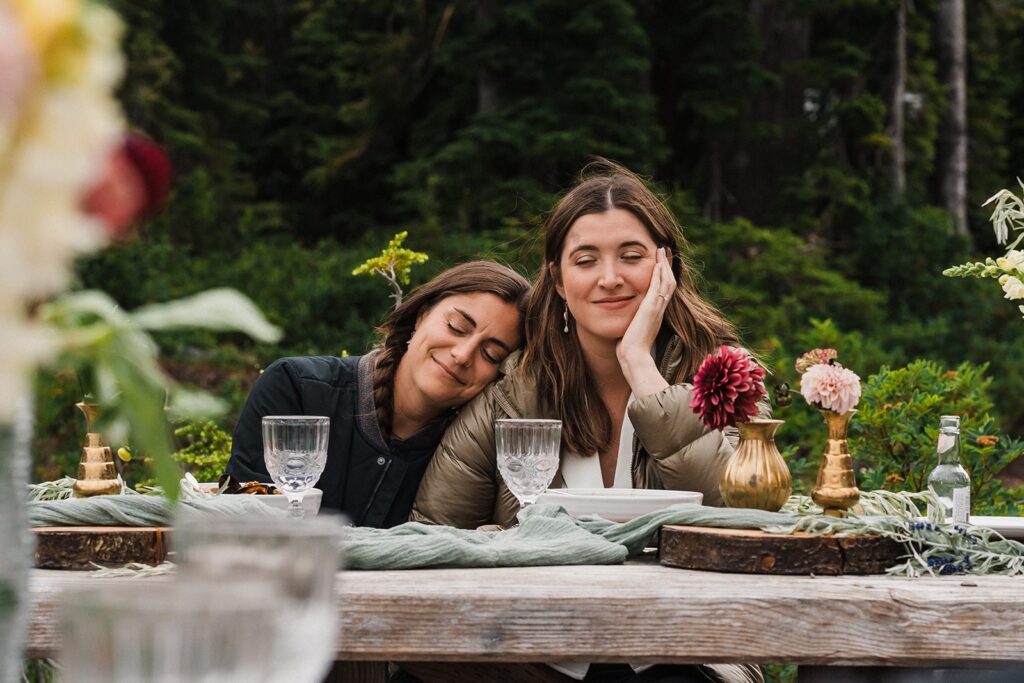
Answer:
[(672, 449)]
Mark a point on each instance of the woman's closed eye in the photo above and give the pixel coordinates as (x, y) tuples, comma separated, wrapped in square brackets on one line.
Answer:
[(493, 356), (456, 329)]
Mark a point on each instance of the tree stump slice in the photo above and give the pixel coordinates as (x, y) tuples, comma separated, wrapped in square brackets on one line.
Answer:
[(759, 552), (84, 547)]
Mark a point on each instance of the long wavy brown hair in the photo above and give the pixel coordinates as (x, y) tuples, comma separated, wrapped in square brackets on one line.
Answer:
[(556, 358), (397, 329)]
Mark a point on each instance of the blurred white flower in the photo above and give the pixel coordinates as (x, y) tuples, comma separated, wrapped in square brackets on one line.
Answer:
[(1014, 259), (51, 152), (1013, 287)]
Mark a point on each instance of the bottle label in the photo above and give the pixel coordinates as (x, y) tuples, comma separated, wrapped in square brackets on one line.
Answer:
[(961, 504)]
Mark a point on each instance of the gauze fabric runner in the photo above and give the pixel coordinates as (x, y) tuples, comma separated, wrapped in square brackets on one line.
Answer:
[(136, 510), (548, 535)]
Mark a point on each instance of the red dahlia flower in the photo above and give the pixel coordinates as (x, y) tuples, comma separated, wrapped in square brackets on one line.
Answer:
[(727, 387)]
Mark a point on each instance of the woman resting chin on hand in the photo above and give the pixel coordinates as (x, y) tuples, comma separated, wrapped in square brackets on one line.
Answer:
[(389, 408), (615, 329)]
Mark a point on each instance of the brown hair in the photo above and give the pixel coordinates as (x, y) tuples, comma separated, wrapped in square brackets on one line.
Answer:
[(555, 358), (397, 329)]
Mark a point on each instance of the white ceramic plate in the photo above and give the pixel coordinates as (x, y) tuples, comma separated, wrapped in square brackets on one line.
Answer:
[(617, 505), (1010, 527), (310, 502)]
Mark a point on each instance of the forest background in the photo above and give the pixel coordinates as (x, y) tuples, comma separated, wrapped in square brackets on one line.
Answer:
[(827, 159)]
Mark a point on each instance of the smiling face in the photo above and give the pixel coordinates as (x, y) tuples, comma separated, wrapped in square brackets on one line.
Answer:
[(603, 273), (456, 350)]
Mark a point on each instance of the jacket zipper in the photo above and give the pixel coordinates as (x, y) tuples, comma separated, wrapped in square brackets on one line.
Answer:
[(373, 495)]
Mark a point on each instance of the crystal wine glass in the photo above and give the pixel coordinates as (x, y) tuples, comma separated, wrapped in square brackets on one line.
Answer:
[(528, 455), (300, 558), (295, 450), (193, 629)]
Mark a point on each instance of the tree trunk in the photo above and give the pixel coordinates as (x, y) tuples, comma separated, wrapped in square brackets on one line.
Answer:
[(751, 170), (899, 88), (486, 86), (952, 161)]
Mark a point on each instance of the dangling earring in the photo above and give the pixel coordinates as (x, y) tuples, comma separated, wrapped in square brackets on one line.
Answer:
[(565, 317)]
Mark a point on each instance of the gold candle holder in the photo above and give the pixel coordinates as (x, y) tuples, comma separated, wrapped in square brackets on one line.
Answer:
[(97, 474), (836, 487)]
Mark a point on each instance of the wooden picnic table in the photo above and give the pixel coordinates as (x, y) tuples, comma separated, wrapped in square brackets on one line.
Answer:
[(643, 612)]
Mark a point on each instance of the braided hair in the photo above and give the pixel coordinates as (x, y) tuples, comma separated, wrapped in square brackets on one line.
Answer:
[(485, 277)]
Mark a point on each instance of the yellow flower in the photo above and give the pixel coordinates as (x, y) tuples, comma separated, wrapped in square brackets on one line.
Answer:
[(45, 20), (893, 479), (987, 440)]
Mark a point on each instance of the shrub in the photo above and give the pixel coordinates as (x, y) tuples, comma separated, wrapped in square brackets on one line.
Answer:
[(894, 434)]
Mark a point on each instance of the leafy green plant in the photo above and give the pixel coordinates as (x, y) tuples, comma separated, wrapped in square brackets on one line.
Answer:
[(204, 450), (114, 348), (894, 434), (393, 264)]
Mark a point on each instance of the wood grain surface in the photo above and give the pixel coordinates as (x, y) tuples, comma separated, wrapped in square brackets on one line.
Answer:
[(758, 552), (645, 612), (84, 547)]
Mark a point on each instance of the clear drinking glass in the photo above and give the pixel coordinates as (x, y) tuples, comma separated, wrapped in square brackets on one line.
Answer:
[(299, 559), (295, 451), (528, 455), (170, 631)]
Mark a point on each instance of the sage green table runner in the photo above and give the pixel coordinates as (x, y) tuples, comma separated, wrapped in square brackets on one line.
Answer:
[(548, 535)]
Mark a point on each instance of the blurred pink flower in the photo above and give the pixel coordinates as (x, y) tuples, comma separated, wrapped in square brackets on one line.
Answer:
[(135, 182), (815, 357), (831, 387), (727, 387)]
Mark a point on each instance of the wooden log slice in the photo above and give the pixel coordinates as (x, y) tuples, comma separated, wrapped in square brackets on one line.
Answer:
[(84, 547), (758, 552)]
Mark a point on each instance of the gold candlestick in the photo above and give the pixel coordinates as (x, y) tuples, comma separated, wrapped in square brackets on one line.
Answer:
[(836, 487), (97, 474)]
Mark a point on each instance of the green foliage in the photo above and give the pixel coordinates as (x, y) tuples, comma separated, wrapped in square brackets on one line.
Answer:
[(40, 671), (895, 431), (114, 350), (204, 449), (393, 264), (303, 133)]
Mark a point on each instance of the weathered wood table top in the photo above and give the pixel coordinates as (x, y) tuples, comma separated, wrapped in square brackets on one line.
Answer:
[(643, 612)]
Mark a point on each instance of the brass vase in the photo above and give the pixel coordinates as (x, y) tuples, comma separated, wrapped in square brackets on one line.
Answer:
[(97, 474), (756, 476), (836, 487)]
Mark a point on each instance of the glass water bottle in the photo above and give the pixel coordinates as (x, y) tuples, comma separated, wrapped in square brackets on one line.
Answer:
[(949, 480)]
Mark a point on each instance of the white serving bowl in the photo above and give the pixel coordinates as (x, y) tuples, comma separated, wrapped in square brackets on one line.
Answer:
[(310, 502), (617, 505)]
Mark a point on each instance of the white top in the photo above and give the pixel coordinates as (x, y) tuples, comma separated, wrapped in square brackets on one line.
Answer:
[(585, 473)]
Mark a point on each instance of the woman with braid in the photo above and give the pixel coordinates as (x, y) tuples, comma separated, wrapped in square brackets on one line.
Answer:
[(389, 408)]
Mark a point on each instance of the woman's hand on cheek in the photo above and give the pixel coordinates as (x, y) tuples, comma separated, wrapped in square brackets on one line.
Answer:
[(634, 349)]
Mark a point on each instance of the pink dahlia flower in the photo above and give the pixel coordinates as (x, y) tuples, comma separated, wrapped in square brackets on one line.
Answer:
[(727, 388), (832, 387), (815, 357)]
